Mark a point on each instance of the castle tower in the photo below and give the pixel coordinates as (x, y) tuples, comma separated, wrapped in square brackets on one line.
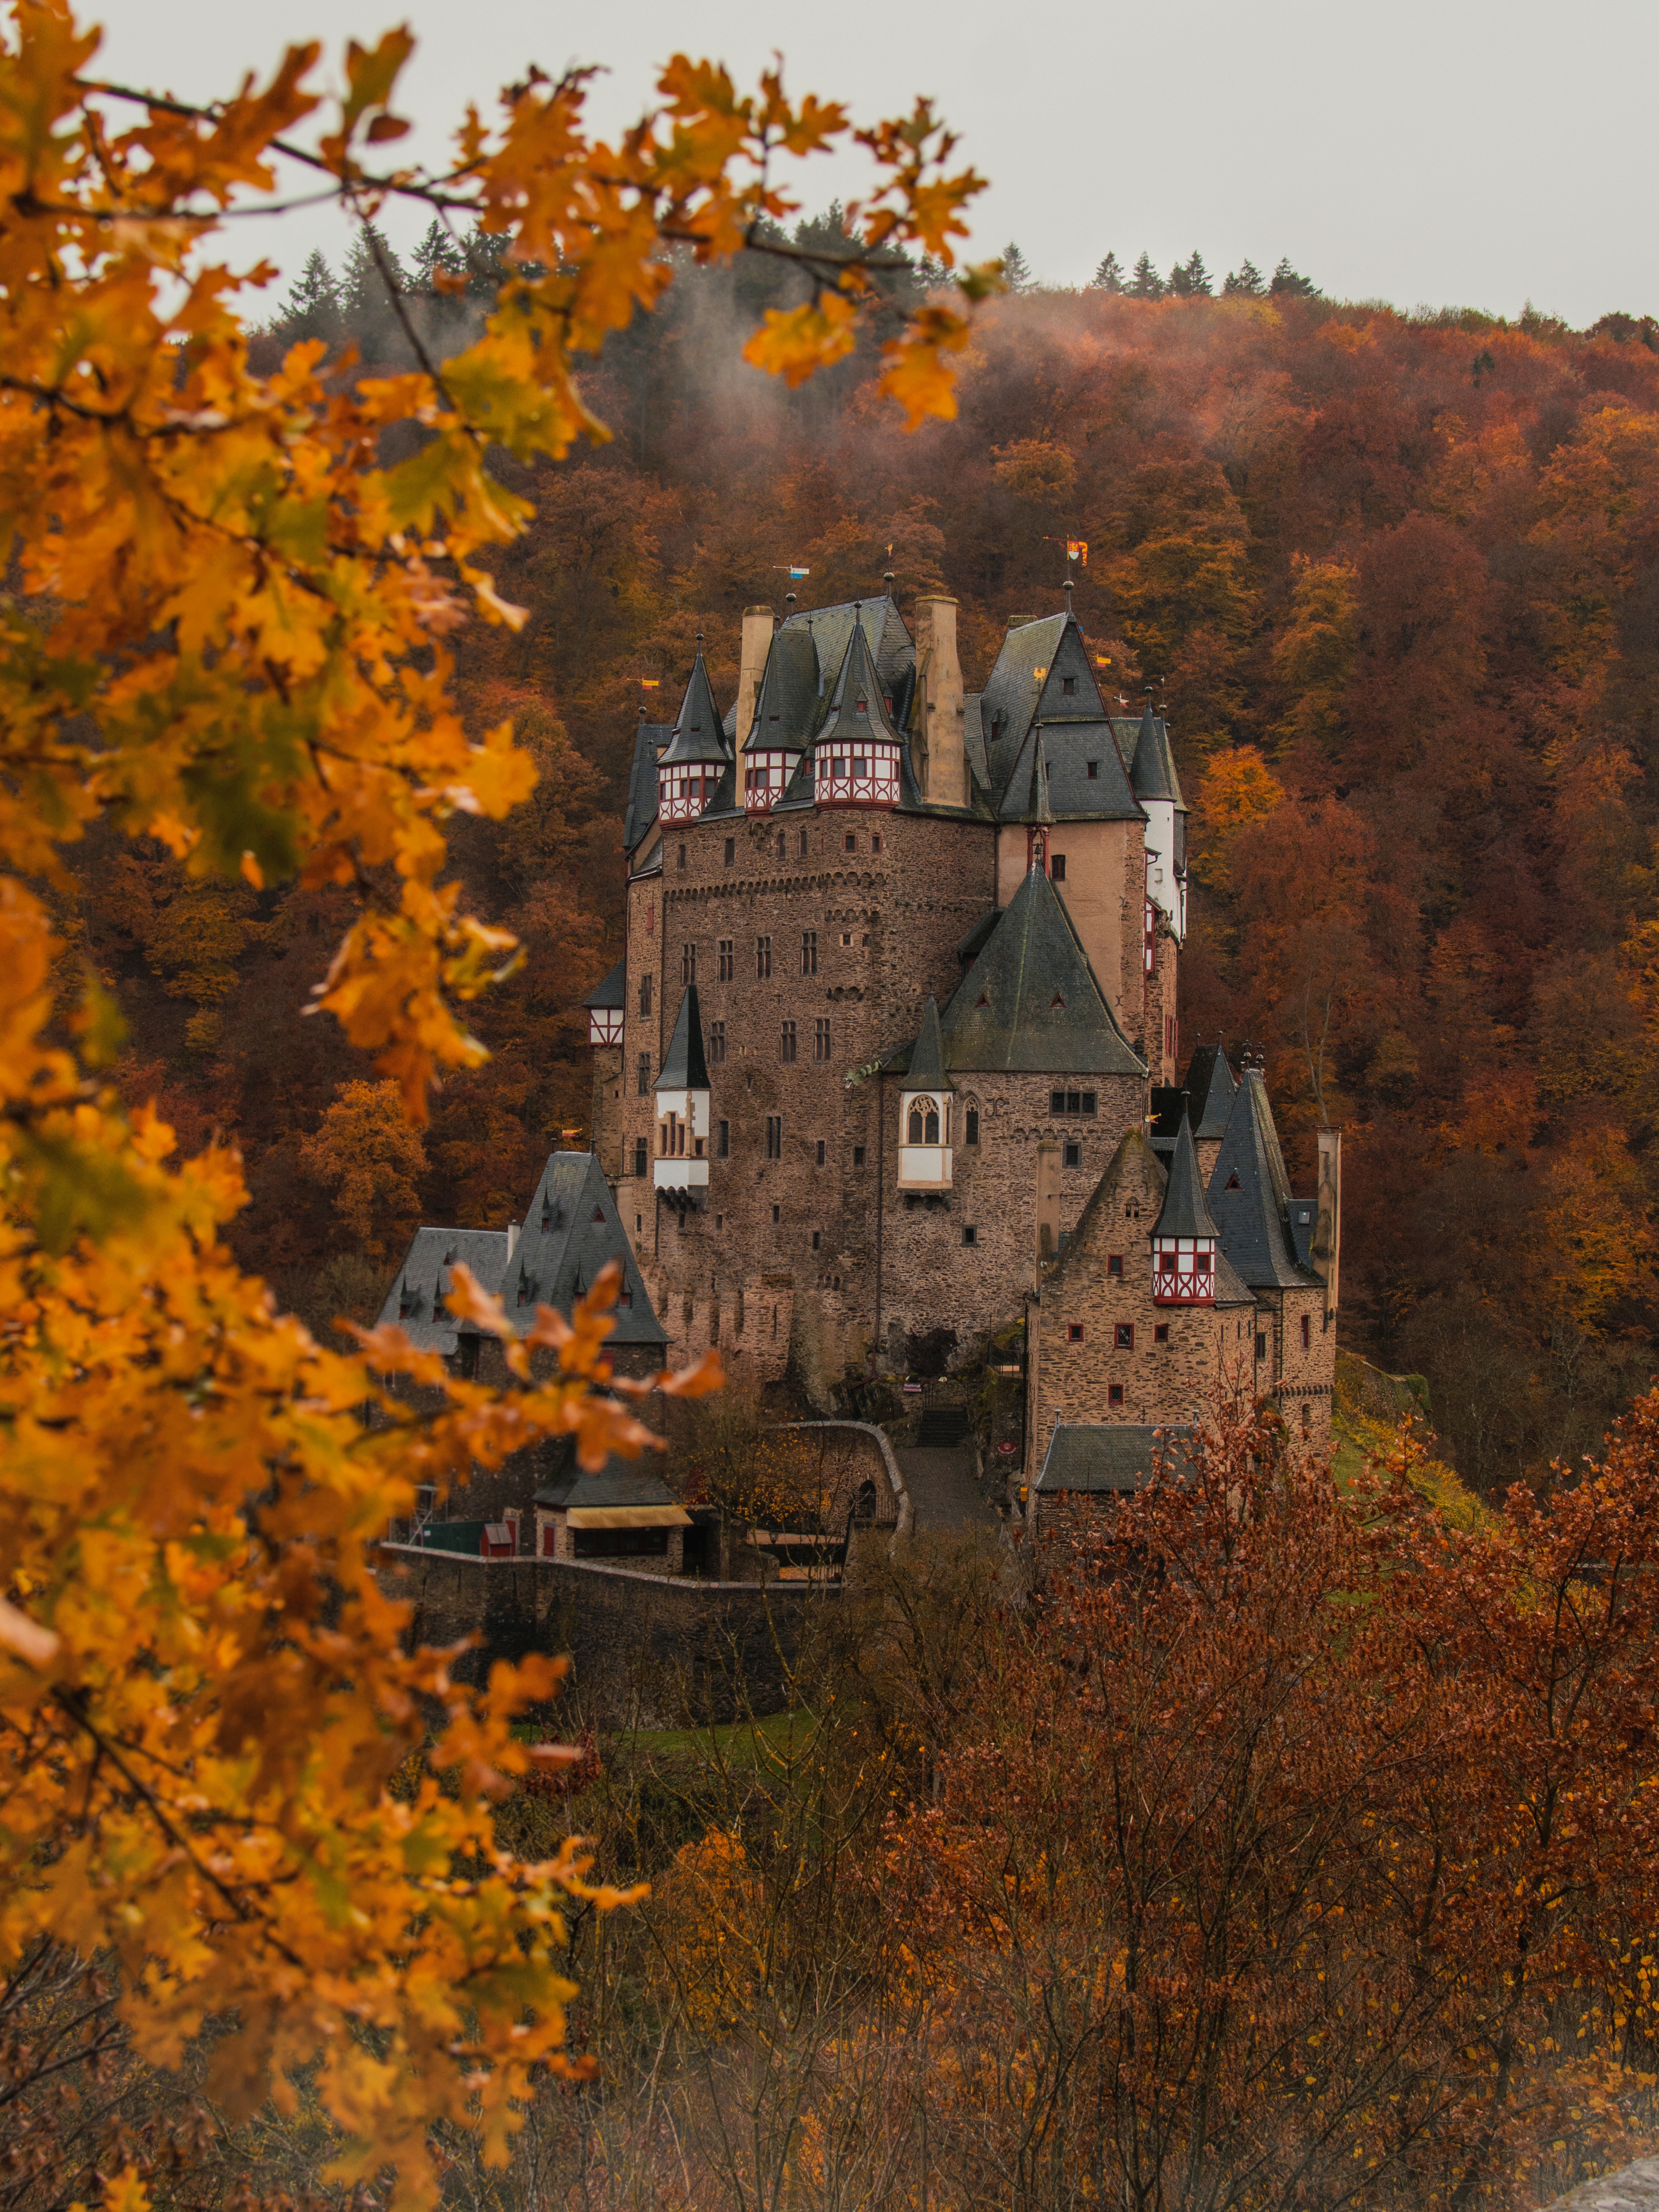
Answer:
[(683, 1104), (1157, 787), (781, 729), (925, 1148), (689, 773), (1184, 1238), (855, 755)]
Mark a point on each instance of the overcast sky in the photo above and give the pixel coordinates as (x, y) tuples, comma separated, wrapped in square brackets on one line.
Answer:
[(1434, 151)]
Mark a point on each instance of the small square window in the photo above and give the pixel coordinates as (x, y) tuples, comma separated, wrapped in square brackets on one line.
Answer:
[(1114, 1263), (1074, 1334), (971, 1135), (818, 1238), (875, 842), (1068, 687), (820, 1152), (852, 842), (777, 1215), (1115, 1394), (1092, 769), (1123, 1335), (1057, 867), (846, 936), (970, 1234), (731, 850), (858, 1156), (1074, 1156), (1161, 1332)]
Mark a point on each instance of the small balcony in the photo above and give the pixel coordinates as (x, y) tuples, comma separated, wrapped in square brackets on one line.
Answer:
[(925, 1167)]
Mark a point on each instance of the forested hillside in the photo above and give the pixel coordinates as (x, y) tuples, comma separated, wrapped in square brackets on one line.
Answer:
[(1397, 580)]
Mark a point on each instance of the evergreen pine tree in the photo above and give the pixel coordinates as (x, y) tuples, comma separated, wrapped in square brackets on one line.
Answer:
[(487, 264), (1287, 281), (362, 286), (1190, 280), (1244, 283), (436, 251), (1146, 284), (312, 309), (1016, 270), (1108, 277)]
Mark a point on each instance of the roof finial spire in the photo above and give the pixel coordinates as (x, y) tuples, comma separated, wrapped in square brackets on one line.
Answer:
[(1069, 586), (889, 579), (789, 599)]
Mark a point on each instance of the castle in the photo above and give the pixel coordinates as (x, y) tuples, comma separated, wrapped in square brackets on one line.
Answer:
[(890, 1063)]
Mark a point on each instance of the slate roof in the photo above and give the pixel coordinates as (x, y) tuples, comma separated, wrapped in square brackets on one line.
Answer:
[(1211, 1086), (606, 997), (1107, 1455), (1152, 770), (649, 741), (891, 647), (1073, 794), (926, 1070), (1184, 1212), (570, 1232), (698, 733), (788, 709), (1031, 1000), (1254, 1220), (426, 1276), (683, 1067), (843, 727), (1009, 700), (618, 1482)]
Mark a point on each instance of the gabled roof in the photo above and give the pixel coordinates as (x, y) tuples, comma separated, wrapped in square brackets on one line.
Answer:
[(1010, 698), (570, 1232), (649, 741), (426, 1276), (1105, 1455), (1211, 1087), (1249, 1195), (1070, 748), (1030, 1000), (788, 709), (698, 734), (831, 628), (1184, 1212), (619, 1482), (612, 992), (1152, 770), (927, 1053), (683, 1067), (858, 704)]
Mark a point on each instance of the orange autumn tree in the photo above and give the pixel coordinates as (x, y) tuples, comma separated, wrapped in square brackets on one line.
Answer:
[(227, 629)]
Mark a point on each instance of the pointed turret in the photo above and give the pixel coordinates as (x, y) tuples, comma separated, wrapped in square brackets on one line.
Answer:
[(786, 709), (856, 753), (925, 1149), (688, 771), (683, 1104), (1250, 1193), (1184, 1238)]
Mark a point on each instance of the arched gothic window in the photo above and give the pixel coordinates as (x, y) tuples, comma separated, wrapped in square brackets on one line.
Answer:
[(924, 1121)]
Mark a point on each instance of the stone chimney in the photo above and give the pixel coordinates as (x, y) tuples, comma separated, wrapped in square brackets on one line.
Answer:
[(757, 628), (942, 767)]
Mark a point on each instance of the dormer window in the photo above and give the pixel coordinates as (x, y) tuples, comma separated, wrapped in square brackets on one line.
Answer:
[(1068, 687), (864, 705)]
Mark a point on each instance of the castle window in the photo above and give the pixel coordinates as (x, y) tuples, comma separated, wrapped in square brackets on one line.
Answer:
[(1261, 1345), (783, 844), (731, 850), (716, 1041), (469, 1359), (972, 1135), (970, 1234), (1115, 1394), (1307, 1332), (803, 844), (852, 842), (858, 1156), (724, 1149), (688, 964), (821, 1154), (640, 1160), (1160, 1332), (774, 1137), (821, 1040), (1233, 1182), (777, 1216), (817, 1239), (1057, 868), (762, 957), (809, 953), (1068, 687), (1074, 1334), (645, 995), (786, 1042), (1092, 769), (1071, 1103), (875, 842), (1123, 1336), (924, 1121), (1114, 1263), (644, 1074), (728, 961), (1074, 1156)]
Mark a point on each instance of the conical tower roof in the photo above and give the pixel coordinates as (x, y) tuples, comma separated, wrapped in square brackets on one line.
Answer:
[(858, 705), (787, 705), (1152, 770), (1030, 1000), (1211, 1086), (927, 1053), (684, 1068), (1184, 1213), (1250, 1193), (698, 733)]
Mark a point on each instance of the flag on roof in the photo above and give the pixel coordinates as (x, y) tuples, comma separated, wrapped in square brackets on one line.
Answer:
[(1077, 549)]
